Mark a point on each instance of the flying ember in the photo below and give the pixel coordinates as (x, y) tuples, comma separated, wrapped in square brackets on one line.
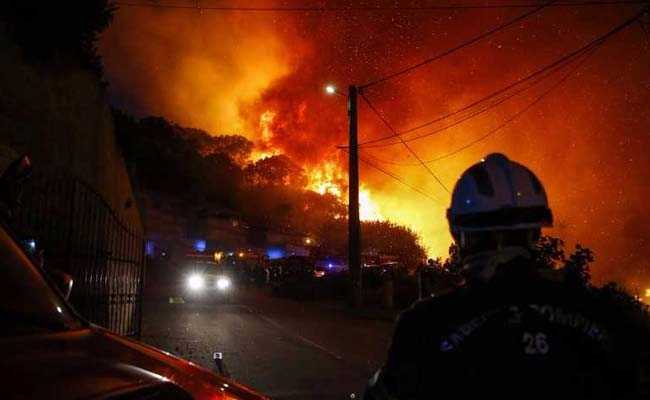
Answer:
[(311, 199), (270, 82)]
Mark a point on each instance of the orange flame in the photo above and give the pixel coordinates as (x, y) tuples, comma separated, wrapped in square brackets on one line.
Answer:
[(326, 178), (329, 178), (369, 210), (263, 148)]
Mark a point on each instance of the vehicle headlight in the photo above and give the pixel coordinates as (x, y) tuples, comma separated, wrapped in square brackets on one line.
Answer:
[(195, 282), (223, 283)]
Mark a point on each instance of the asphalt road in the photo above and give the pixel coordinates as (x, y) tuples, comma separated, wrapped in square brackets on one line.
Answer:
[(285, 349)]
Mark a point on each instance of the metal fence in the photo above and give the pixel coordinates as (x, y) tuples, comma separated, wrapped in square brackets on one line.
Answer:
[(81, 235)]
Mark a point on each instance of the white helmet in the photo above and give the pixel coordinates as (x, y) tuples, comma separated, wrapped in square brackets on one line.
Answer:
[(498, 194)]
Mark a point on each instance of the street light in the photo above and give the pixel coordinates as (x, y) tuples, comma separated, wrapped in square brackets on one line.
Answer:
[(330, 89), (354, 224)]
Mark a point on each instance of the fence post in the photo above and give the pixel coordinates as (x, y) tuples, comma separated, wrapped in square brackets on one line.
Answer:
[(143, 267), (69, 239)]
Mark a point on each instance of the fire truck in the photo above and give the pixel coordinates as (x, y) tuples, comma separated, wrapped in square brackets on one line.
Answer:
[(210, 277)]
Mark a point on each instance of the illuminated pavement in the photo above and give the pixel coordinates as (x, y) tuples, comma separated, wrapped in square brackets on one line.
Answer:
[(283, 348)]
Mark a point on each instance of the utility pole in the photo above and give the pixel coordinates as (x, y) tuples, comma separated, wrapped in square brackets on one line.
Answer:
[(354, 228)]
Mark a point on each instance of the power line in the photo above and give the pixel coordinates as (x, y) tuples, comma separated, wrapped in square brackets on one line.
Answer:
[(413, 153), (539, 74), (593, 46), (398, 179), (516, 115), (567, 58), (326, 9), (508, 120), (462, 45)]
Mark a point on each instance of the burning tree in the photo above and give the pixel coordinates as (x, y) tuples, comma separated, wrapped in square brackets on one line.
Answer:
[(269, 193)]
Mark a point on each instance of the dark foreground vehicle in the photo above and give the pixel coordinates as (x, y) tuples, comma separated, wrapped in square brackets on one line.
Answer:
[(50, 352)]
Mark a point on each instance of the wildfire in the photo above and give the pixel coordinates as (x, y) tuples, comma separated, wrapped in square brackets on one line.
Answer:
[(263, 148), (260, 154), (326, 178), (263, 81), (368, 209), (266, 119)]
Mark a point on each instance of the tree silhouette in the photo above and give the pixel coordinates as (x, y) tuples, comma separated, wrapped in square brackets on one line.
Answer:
[(378, 237), (56, 33), (275, 171)]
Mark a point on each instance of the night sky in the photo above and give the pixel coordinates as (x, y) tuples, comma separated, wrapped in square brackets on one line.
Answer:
[(261, 74)]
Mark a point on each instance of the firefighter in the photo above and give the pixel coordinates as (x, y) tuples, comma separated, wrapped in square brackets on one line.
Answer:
[(517, 328)]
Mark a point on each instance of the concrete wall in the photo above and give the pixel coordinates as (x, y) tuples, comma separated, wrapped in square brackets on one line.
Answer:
[(61, 119)]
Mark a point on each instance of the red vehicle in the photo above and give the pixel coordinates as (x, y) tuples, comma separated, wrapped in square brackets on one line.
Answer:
[(50, 352)]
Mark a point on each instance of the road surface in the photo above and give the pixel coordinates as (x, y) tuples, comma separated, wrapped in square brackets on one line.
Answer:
[(285, 349)]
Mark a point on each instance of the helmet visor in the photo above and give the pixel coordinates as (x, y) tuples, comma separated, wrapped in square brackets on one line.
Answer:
[(504, 218)]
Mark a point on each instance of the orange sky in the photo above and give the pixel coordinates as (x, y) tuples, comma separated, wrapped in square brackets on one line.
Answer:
[(230, 72)]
